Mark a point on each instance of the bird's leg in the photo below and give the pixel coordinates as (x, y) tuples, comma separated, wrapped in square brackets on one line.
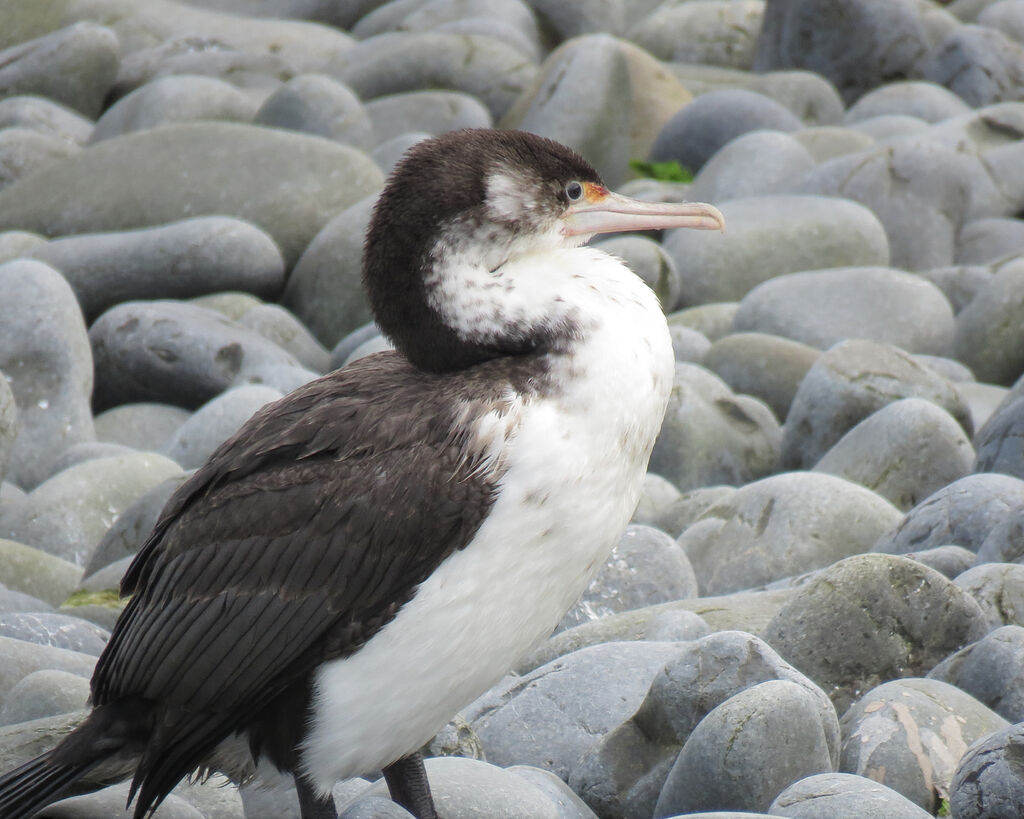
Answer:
[(407, 781), (312, 806)]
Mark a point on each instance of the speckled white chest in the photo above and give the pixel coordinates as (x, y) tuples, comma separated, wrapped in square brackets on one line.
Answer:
[(575, 463)]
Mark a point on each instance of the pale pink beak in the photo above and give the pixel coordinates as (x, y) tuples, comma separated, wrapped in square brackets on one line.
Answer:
[(601, 211)]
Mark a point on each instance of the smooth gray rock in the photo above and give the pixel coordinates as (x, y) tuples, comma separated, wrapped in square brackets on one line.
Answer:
[(856, 44), (21, 658), (988, 782), (287, 332), (689, 506), (960, 283), (924, 100), (374, 807), (754, 164), (179, 98), (711, 435), (173, 352), (140, 426), (175, 261), (904, 452), (649, 260), (215, 422), (56, 630), (645, 567), (286, 183), (393, 63), (656, 498), (623, 775), (44, 693), (990, 241), (32, 570), (374, 344), (553, 715), (75, 66), (949, 561), (470, 788), (325, 289), (766, 366), (110, 803), (888, 127), (45, 116), (990, 670), (318, 105), (921, 191), (829, 141), (9, 426), (688, 345), (980, 64), (999, 590), (871, 618), (848, 383), (388, 154), (823, 307), (988, 338), (768, 236), (949, 368), (68, 514), (46, 360), (843, 796), (23, 152), (1005, 542), (15, 601), (713, 321), (807, 94), (89, 451), (963, 513), (17, 243), (432, 112), (908, 734), (707, 33), (694, 134), (1000, 443), (746, 750), (781, 526), (583, 16)]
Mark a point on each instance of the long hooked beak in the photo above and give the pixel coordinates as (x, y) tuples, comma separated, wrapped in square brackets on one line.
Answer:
[(601, 211)]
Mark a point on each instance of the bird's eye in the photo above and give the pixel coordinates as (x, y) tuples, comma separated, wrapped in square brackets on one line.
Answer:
[(574, 190)]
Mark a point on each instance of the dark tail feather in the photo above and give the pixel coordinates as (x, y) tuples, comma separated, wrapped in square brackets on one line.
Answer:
[(28, 789)]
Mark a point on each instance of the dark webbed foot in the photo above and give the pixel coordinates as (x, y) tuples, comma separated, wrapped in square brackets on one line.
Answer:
[(312, 806), (407, 781)]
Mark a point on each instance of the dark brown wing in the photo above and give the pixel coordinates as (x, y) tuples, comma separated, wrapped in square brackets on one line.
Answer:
[(300, 538)]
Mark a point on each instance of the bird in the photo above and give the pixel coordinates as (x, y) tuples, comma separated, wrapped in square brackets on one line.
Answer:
[(373, 551)]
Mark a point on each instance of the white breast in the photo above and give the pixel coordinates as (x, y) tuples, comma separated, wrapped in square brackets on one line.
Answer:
[(575, 467)]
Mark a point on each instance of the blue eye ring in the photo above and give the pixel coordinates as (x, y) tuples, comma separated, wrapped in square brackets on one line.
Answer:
[(574, 191)]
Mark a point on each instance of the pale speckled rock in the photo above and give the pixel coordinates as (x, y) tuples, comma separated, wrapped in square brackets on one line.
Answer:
[(68, 514), (766, 366), (644, 568), (823, 307), (75, 66), (393, 63), (697, 131), (432, 112), (23, 152), (746, 750), (316, 104), (871, 618), (140, 426), (709, 33), (924, 100), (781, 526), (948, 560), (980, 64), (173, 352), (180, 98), (843, 796), (849, 382), (989, 337), (962, 513), (829, 141), (769, 236), (856, 45), (908, 734), (45, 116), (904, 452), (470, 788), (990, 671), (648, 259), (999, 590), (988, 782), (566, 102), (178, 260), (325, 289), (46, 360), (711, 435), (44, 693), (34, 571), (753, 164), (215, 422), (713, 321), (624, 773), (288, 184)]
